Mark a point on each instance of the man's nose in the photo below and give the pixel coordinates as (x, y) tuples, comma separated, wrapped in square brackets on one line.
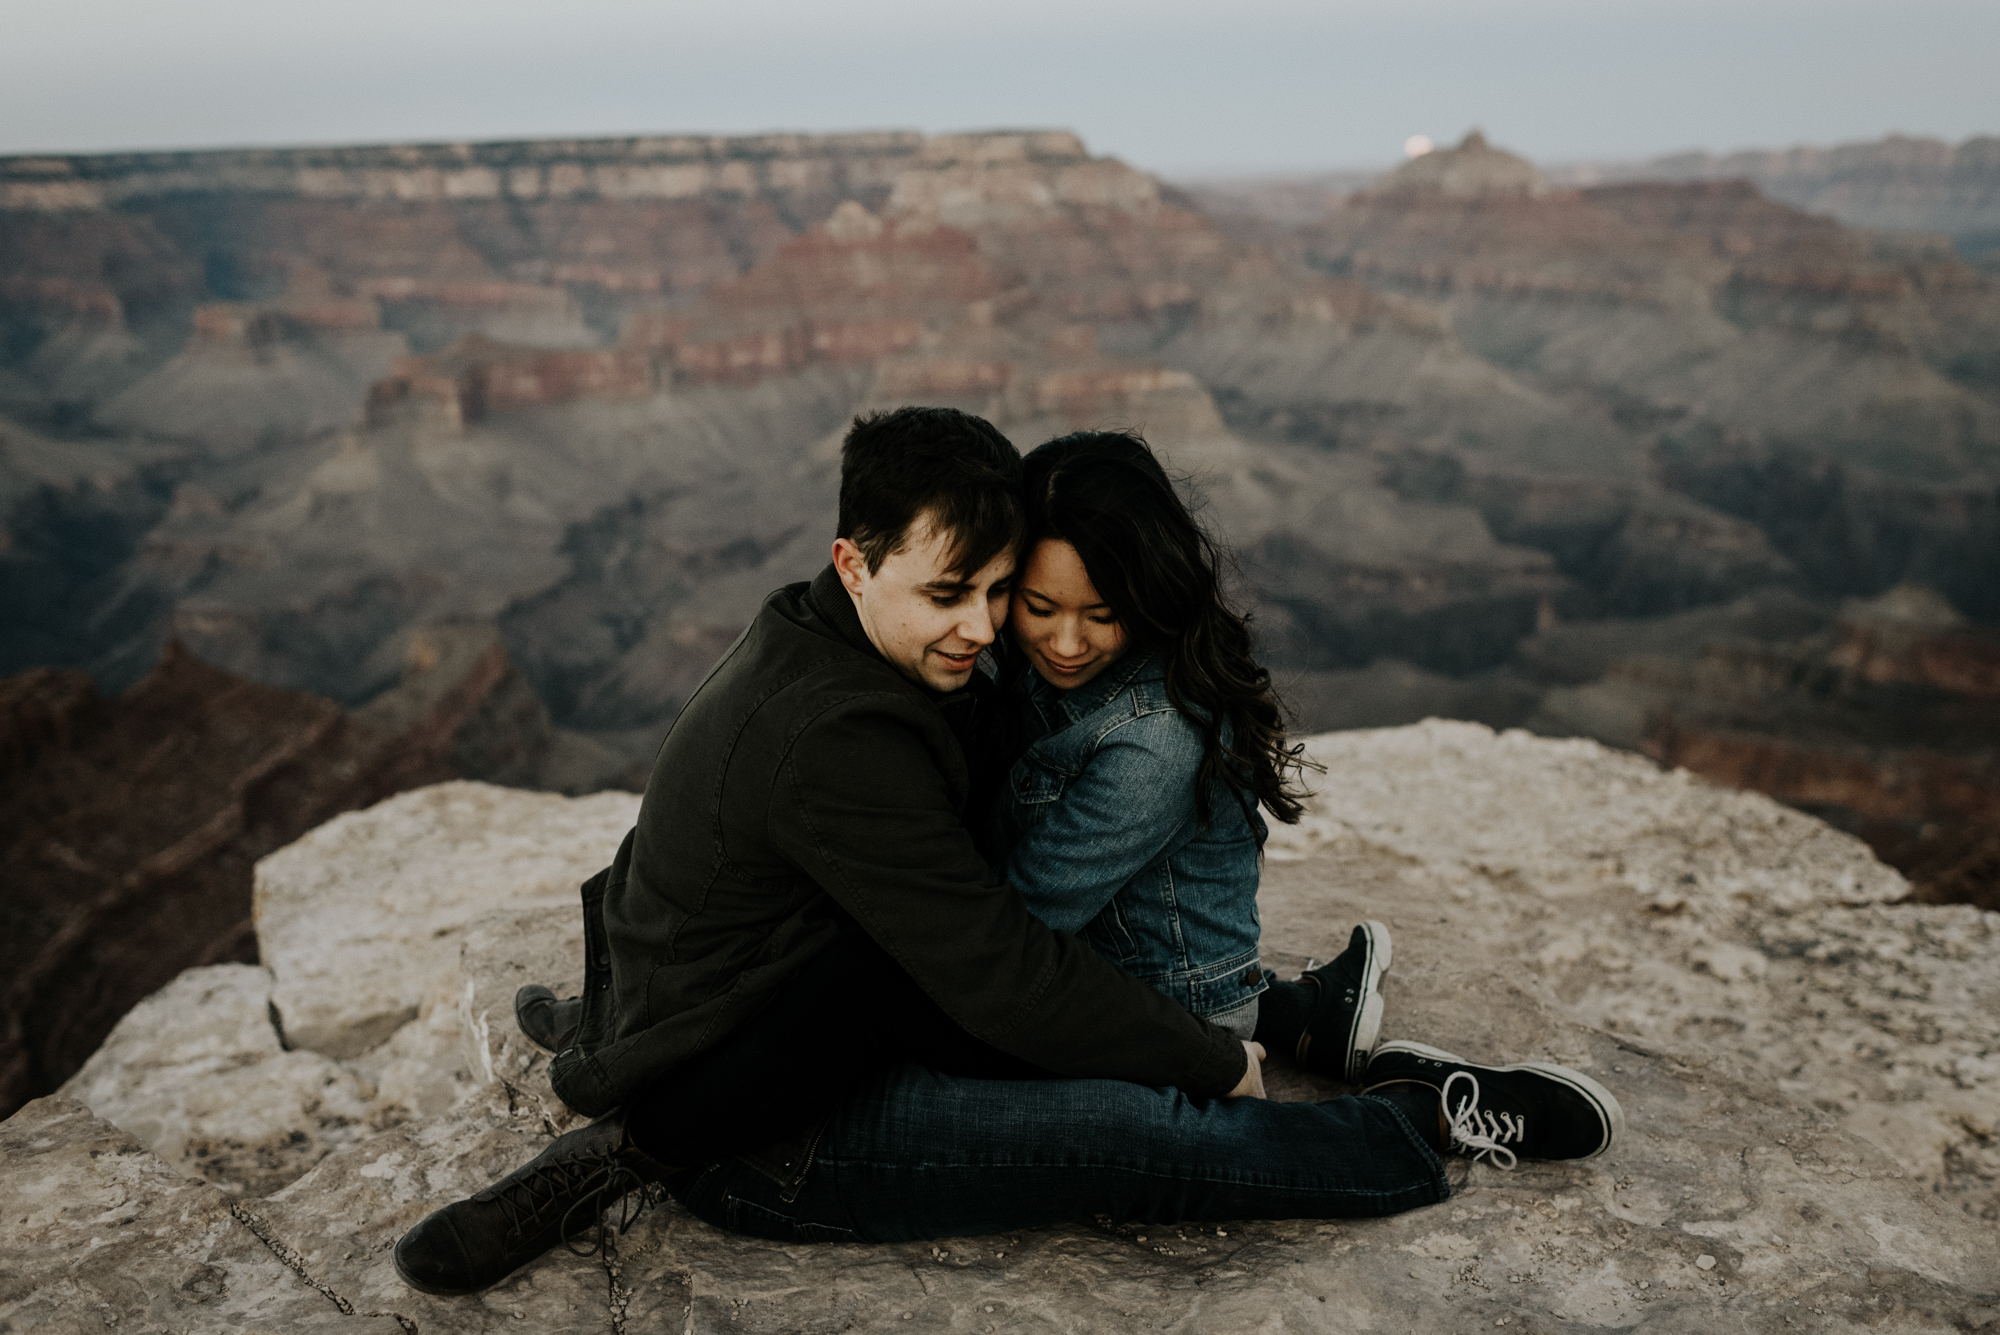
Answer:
[(979, 627)]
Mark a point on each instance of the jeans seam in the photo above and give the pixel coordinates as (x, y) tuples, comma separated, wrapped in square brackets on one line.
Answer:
[(1166, 1172)]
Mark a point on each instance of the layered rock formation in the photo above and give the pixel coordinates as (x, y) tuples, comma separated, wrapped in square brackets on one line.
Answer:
[(284, 406), (132, 822), (1900, 183), (1884, 723), (1919, 188), (1808, 1072)]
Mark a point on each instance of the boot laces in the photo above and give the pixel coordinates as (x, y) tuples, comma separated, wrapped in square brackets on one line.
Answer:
[(1478, 1132), (617, 1185), (591, 1183)]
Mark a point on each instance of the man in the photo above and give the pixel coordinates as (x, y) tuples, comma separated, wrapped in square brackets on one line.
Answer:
[(801, 907)]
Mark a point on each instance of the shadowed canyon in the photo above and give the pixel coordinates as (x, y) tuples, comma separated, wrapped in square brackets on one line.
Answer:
[(326, 473)]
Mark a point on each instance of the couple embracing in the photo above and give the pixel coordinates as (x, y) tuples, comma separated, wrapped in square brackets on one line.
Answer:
[(940, 917)]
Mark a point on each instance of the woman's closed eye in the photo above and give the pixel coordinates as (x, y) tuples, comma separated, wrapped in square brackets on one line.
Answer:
[(1095, 618)]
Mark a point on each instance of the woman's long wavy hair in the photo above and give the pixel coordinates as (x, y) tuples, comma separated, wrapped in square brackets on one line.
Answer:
[(1105, 494)]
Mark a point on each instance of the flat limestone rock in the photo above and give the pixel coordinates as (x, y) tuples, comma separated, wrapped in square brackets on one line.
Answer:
[(1713, 924), (343, 1219), (1809, 1073), (197, 1073), (357, 920), (98, 1234)]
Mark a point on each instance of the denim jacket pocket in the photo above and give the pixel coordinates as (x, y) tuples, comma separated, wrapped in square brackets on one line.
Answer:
[(1033, 784), (1223, 985), (1112, 937)]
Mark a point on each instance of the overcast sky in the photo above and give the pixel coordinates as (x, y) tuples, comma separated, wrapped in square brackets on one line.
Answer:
[(1180, 86)]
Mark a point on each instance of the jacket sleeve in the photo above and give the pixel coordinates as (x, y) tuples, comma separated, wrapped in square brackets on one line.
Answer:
[(863, 807), (1095, 837)]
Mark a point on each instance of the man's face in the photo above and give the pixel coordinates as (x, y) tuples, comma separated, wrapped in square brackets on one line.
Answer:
[(928, 621)]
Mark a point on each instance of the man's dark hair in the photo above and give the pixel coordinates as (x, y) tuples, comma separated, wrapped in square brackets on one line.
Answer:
[(897, 465)]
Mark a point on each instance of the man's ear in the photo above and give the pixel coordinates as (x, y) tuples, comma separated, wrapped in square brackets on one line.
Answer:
[(850, 565)]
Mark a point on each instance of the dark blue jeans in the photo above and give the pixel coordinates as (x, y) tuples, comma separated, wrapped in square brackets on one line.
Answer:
[(915, 1154)]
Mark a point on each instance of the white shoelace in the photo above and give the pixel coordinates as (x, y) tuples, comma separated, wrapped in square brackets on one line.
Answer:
[(1481, 1134)]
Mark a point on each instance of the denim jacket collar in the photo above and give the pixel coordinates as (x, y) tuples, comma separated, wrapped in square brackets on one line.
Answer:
[(1059, 709)]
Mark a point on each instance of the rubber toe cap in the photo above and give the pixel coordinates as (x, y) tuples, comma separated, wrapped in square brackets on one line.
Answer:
[(432, 1258)]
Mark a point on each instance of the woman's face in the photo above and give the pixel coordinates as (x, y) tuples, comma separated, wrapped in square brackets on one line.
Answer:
[(1069, 634)]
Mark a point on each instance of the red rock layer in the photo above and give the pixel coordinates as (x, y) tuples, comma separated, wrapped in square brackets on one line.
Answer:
[(129, 827), (94, 260), (1651, 244), (1930, 807), (854, 291), (477, 376), (1900, 786), (1960, 664)]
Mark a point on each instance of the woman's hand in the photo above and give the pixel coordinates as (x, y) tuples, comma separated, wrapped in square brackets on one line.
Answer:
[(1251, 1086)]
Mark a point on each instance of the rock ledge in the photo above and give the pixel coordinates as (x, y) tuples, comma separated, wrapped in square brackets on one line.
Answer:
[(1809, 1071)]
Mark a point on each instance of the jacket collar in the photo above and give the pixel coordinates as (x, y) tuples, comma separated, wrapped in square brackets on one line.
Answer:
[(830, 602), (1060, 708)]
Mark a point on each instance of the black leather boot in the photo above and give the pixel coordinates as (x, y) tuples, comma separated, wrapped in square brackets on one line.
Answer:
[(550, 1023), (561, 1193)]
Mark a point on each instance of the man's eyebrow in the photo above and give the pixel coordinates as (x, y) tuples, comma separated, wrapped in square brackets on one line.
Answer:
[(945, 586)]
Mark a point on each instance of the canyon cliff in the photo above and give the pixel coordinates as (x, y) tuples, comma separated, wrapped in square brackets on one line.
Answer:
[(1901, 183), (132, 822), (1477, 438)]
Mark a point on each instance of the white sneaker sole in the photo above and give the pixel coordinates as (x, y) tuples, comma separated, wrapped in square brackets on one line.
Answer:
[(1368, 1016), (1608, 1109)]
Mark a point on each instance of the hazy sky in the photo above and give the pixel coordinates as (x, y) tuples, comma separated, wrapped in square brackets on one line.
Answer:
[(1173, 85)]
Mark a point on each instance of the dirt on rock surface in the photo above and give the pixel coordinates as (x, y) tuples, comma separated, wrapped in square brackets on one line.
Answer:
[(1808, 1069)]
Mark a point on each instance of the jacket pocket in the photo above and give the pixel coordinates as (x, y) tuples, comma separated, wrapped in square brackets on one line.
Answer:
[(1033, 785), (1111, 936)]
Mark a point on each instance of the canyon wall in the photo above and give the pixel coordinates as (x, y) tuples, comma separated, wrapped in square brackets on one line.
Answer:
[(132, 822), (1900, 183), (1925, 191), (1471, 437)]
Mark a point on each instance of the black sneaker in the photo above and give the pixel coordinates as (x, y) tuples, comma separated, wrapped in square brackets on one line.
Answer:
[(1536, 1110), (1346, 1018), (549, 1023), (564, 1191)]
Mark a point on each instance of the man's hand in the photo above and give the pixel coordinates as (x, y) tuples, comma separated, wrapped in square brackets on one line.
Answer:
[(1251, 1086)]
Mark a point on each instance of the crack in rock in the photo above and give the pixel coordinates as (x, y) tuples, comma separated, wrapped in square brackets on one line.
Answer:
[(516, 1094), (618, 1301), (295, 1263)]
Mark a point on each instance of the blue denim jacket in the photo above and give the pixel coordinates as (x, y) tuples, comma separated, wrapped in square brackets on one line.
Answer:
[(1099, 833)]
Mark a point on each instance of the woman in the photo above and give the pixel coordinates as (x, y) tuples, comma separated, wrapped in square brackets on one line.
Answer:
[(1152, 740)]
